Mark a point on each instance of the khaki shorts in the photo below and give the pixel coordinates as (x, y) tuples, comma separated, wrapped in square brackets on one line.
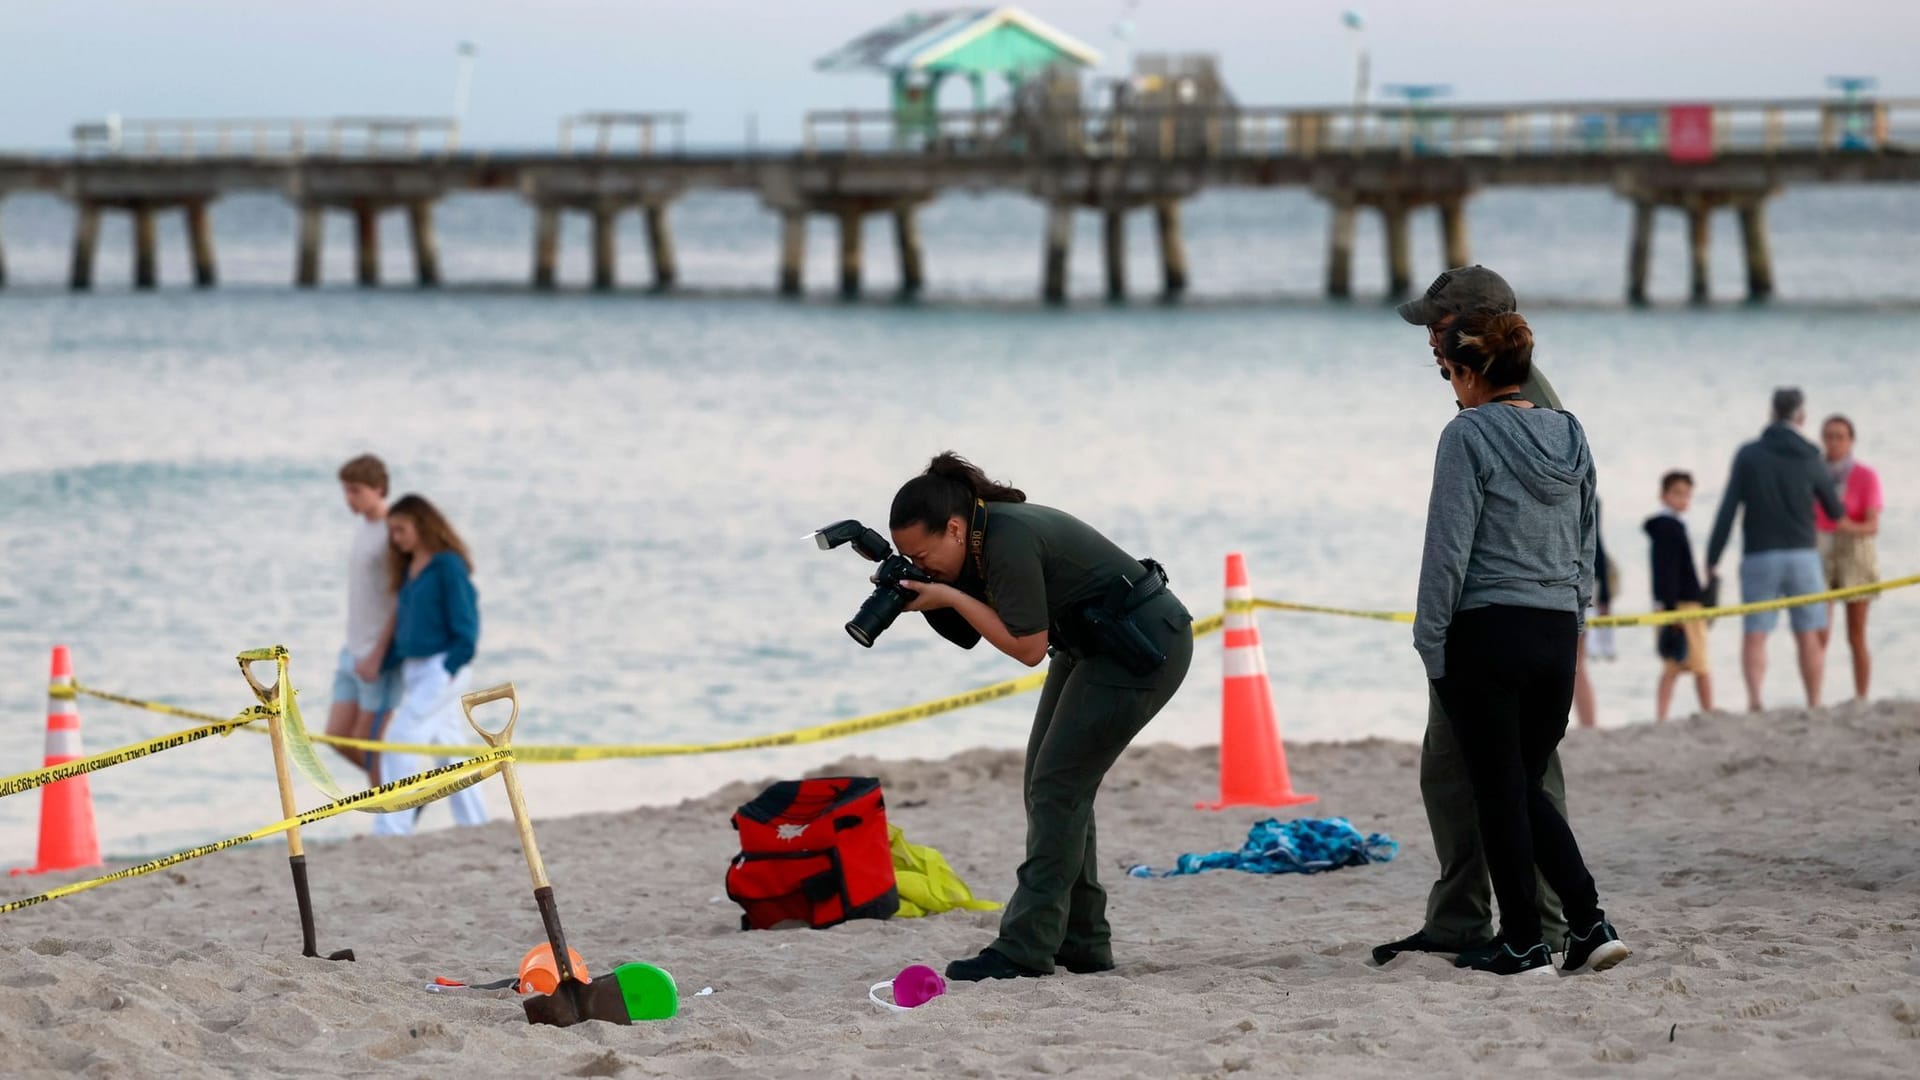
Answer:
[(1847, 560), (1694, 633)]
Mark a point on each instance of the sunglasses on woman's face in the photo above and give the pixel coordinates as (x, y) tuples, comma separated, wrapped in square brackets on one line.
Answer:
[(1446, 374)]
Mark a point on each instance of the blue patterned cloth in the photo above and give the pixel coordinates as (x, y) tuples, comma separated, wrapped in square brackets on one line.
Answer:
[(1300, 846)]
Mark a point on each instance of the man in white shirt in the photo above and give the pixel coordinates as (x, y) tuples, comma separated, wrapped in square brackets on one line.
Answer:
[(361, 693)]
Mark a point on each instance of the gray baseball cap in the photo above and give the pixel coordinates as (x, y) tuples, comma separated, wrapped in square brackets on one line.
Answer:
[(1462, 290)]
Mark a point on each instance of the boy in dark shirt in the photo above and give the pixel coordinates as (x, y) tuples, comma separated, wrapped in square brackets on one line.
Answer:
[(1676, 586)]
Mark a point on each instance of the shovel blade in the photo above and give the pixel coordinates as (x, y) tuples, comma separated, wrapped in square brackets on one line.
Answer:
[(573, 1003)]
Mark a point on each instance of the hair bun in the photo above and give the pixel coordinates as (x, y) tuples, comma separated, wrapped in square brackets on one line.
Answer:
[(1507, 332)]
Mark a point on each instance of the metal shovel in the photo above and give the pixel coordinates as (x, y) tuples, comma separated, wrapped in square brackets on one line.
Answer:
[(572, 1001), (296, 853)]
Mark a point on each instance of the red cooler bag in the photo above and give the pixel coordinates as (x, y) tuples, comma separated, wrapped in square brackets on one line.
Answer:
[(816, 851)]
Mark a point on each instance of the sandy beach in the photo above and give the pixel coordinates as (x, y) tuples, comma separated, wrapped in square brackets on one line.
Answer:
[(1763, 869)]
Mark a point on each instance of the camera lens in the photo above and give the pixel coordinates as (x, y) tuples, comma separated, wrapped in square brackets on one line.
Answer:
[(878, 613)]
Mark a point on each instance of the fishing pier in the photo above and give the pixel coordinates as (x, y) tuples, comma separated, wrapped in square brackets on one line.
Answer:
[(1695, 159)]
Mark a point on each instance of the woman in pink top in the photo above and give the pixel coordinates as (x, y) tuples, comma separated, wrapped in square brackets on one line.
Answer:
[(1846, 546)]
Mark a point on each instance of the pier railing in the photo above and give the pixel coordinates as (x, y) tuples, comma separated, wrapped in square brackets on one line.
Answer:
[(1660, 129), (644, 133), (349, 136)]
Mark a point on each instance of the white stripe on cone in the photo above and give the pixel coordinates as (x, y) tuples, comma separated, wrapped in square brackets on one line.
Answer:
[(1245, 660), (63, 743)]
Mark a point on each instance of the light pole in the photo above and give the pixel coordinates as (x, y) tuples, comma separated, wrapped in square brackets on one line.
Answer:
[(462, 82), (1123, 31), (1356, 36)]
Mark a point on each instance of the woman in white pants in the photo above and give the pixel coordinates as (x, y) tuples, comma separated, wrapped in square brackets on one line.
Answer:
[(436, 626)]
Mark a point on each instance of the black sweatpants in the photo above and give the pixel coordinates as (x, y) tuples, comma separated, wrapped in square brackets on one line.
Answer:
[(1508, 686)]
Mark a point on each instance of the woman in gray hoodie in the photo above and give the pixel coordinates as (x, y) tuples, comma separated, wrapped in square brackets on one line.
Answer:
[(1504, 583)]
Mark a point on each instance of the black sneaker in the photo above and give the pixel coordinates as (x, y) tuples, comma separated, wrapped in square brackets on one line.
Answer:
[(1084, 963), (989, 965), (1480, 953), (1418, 942), (1505, 960), (1596, 950)]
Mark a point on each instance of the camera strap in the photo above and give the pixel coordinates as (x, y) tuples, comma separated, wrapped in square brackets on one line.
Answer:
[(977, 540)]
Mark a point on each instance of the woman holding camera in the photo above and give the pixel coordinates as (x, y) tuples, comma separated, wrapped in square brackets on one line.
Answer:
[(1505, 578), (1034, 582)]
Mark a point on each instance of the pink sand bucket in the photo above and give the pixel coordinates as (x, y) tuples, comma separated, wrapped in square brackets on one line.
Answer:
[(914, 986)]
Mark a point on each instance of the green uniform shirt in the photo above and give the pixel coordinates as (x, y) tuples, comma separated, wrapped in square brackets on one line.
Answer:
[(1042, 562)]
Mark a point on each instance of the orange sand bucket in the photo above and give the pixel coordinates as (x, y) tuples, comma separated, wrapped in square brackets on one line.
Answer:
[(540, 975)]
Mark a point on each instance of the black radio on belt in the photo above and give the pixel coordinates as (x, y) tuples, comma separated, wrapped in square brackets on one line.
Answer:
[(1107, 627)]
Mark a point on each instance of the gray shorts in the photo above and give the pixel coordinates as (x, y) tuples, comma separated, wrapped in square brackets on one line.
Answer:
[(1775, 575), (374, 697)]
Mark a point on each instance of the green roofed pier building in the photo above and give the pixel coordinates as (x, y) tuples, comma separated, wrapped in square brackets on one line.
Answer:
[(919, 51)]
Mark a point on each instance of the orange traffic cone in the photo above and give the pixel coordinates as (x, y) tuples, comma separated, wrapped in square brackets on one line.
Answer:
[(1253, 764), (67, 837)]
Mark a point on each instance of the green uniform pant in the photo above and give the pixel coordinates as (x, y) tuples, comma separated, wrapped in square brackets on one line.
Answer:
[(1089, 711), (1460, 906)]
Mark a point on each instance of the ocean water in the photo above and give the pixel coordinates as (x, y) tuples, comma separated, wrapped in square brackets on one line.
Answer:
[(635, 473)]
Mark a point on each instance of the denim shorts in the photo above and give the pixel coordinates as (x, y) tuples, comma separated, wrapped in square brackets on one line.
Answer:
[(374, 697), (1773, 575)]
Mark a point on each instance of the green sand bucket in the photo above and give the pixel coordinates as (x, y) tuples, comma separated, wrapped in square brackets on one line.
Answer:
[(649, 992)]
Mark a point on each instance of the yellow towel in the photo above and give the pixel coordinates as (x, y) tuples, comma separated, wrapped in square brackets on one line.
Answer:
[(928, 885)]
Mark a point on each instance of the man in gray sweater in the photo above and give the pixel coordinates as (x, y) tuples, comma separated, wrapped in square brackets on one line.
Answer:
[(1460, 904), (1777, 478)]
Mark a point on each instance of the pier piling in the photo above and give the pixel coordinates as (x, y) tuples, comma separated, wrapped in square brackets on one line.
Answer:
[(793, 252), (1173, 249), (606, 248), (366, 221), (306, 272), (1753, 236), (1116, 255), (850, 236), (546, 246), (906, 235), (1699, 244), (1053, 288), (660, 245), (1640, 252), (146, 248), (1399, 256), (200, 243), (1340, 250), (426, 250), (1453, 232), (86, 238)]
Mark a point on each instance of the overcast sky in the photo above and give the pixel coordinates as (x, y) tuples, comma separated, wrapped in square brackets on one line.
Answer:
[(63, 61)]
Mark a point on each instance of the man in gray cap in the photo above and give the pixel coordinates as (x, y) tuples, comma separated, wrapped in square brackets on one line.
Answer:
[(1460, 905)]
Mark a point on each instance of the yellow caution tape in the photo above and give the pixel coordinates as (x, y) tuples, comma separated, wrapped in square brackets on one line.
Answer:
[(434, 783), (299, 742), (27, 781), (1650, 618), (1315, 609), (838, 729), (310, 763), (1664, 618), (132, 702)]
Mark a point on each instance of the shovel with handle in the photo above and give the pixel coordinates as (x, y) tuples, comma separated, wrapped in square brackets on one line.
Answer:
[(573, 1000), (296, 853)]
